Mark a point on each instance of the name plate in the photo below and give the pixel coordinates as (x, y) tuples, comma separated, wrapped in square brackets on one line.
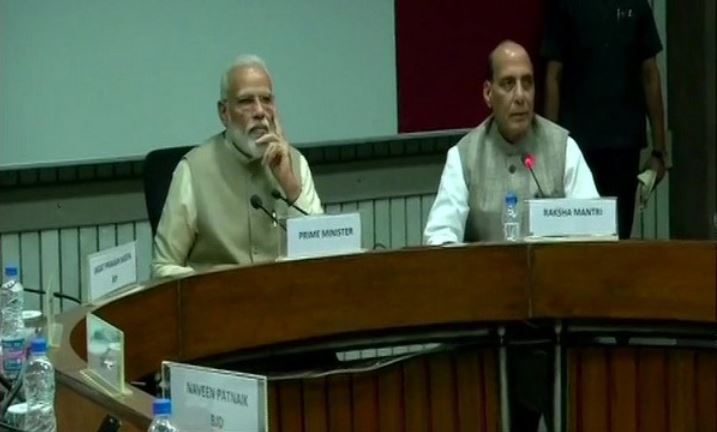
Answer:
[(105, 355), (111, 269), (323, 235), (566, 217), (205, 399)]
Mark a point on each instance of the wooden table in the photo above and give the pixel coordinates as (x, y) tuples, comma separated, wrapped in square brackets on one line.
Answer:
[(405, 295)]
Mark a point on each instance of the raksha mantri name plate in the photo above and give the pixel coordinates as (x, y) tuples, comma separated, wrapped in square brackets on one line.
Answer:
[(572, 219), (322, 235)]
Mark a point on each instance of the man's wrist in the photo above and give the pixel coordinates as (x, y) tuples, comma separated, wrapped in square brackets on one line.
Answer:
[(659, 154), (292, 189)]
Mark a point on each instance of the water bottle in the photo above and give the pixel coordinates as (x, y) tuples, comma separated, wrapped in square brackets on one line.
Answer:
[(39, 385), (162, 409), (12, 326), (511, 219), (15, 415)]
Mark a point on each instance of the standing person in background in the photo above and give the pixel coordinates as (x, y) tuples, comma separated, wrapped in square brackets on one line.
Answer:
[(601, 80)]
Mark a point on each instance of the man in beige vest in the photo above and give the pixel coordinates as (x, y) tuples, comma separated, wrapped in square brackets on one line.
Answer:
[(208, 219), (487, 163)]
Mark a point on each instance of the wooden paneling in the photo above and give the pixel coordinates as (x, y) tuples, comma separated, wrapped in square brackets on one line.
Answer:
[(422, 394), (390, 394), (339, 300), (681, 388), (416, 396), (572, 385), (652, 382), (469, 369), (594, 410), (622, 367), (641, 389), (316, 417), (629, 280), (273, 407), (291, 407), (706, 394), (364, 395), (443, 391), (340, 402)]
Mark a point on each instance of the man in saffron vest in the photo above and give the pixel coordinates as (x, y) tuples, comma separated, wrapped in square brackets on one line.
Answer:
[(207, 218), (487, 163)]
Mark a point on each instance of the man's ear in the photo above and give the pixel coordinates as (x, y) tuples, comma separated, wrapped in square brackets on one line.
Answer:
[(222, 110), (487, 89)]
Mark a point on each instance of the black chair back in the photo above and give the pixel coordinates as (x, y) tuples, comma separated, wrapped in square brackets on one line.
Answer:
[(158, 168)]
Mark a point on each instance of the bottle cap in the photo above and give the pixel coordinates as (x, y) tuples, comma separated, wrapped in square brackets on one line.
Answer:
[(11, 271), (162, 406), (511, 198), (38, 345)]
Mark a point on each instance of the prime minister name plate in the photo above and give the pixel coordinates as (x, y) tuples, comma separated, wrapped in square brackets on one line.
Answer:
[(572, 219), (323, 235)]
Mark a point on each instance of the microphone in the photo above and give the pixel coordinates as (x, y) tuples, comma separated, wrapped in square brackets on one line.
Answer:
[(256, 202), (277, 195), (56, 295), (528, 161)]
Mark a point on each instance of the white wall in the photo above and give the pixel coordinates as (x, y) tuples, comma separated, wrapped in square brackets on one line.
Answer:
[(98, 79)]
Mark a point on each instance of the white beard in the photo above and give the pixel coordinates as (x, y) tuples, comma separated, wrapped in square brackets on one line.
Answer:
[(245, 142)]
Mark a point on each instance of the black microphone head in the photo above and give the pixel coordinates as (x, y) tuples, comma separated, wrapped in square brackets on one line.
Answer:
[(276, 194), (256, 201)]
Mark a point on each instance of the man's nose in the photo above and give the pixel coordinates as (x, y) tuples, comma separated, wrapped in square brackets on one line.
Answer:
[(259, 111), (520, 94)]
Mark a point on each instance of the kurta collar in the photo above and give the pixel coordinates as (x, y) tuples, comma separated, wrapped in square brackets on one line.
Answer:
[(524, 146)]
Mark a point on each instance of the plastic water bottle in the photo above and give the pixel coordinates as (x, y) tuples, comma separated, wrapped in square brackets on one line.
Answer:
[(12, 326), (15, 415), (511, 219), (162, 409), (39, 384)]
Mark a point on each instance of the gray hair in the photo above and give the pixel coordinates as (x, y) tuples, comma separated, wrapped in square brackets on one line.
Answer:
[(243, 61)]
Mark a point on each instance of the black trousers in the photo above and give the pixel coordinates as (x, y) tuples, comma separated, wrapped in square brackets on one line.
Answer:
[(530, 373), (615, 173)]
